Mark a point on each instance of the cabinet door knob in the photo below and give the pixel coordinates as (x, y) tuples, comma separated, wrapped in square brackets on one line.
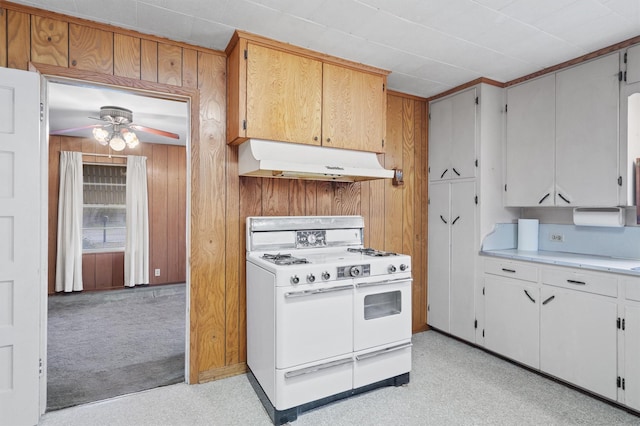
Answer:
[(315, 138), (328, 139)]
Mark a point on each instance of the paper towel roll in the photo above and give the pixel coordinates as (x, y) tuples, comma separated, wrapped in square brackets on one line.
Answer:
[(528, 234)]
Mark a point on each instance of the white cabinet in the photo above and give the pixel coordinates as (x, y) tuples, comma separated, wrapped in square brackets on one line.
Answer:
[(512, 313), (578, 337), (452, 137), (632, 72), (452, 254), (580, 114), (530, 152), (587, 102), (631, 350)]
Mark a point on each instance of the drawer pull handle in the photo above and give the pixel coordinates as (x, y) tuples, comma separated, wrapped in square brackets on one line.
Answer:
[(548, 300), (576, 282), (529, 296), (513, 271)]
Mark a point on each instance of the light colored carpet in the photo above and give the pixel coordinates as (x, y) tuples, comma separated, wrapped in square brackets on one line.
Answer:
[(105, 344), (451, 384)]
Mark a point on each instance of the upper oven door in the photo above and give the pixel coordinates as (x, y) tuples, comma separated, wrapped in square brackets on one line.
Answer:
[(382, 311), (313, 322)]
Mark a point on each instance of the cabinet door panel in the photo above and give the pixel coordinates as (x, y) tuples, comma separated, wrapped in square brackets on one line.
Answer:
[(512, 314), (631, 351), (633, 64), (463, 257), (440, 133), (352, 109), (530, 143), (578, 339), (284, 96), (587, 102), (438, 259), (463, 137)]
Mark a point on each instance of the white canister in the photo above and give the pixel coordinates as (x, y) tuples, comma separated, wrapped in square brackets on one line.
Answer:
[(528, 234)]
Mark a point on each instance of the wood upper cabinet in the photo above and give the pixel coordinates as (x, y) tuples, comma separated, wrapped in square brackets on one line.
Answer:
[(353, 109), (284, 96), (282, 93)]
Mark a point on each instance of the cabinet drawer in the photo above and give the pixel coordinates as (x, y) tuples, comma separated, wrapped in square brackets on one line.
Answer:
[(517, 270), (632, 289), (582, 281)]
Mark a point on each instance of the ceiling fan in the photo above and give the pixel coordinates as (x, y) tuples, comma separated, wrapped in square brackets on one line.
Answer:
[(117, 131)]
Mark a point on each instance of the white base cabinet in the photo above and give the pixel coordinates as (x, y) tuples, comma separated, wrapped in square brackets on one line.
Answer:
[(632, 356), (512, 312), (578, 339)]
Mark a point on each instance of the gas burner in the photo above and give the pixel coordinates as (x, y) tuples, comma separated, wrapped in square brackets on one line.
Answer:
[(284, 259), (372, 252)]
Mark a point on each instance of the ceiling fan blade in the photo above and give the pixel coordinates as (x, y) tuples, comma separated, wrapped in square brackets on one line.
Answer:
[(73, 129), (154, 131)]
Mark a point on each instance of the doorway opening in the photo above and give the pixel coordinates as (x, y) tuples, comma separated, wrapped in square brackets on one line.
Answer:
[(108, 339)]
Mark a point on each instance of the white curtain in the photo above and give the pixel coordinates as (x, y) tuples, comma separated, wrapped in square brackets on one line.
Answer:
[(69, 257), (136, 252)]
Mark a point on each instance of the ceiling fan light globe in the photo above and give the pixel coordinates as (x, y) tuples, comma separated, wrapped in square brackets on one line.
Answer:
[(117, 143), (101, 135), (131, 139)]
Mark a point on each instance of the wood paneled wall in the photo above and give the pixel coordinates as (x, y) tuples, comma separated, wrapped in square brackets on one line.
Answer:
[(166, 185), (220, 201)]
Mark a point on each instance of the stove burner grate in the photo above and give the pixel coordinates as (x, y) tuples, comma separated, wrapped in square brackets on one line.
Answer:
[(372, 252), (284, 259)]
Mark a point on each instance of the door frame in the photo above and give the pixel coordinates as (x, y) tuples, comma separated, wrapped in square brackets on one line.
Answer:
[(52, 73)]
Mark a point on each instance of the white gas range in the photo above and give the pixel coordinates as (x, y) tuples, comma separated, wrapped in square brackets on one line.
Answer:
[(326, 318)]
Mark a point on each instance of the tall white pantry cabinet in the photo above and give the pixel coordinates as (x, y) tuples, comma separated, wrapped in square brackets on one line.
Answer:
[(465, 201)]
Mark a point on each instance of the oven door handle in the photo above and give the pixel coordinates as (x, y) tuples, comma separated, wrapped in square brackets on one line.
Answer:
[(317, 291), (384, 282), (383, 351), (315, 368)]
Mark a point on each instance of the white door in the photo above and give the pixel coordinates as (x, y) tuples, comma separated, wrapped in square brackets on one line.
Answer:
[(463, 257), (438, 259), (530, 146), (463, 135), (631, 351), (440, 122), (512, 320), (578, 339), (20, 247), (587, 102)]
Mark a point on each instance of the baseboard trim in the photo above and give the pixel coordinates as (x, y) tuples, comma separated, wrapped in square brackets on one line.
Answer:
[(222, 373)]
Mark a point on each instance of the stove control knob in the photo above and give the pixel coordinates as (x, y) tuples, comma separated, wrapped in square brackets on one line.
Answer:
[(392, 268), (295, 279), (355, 271), (326, 275), (403, 267), (311, 278)]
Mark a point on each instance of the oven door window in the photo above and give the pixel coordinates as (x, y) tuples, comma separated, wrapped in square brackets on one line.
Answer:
[(382, 304)]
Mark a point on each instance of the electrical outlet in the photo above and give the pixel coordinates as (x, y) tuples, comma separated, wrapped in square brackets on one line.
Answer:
[(157, 272), (557, 238)]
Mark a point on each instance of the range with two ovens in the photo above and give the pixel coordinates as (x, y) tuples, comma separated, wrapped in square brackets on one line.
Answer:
[(326, 317)]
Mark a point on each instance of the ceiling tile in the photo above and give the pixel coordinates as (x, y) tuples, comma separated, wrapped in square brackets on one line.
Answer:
[(113, 13), (413, 85)]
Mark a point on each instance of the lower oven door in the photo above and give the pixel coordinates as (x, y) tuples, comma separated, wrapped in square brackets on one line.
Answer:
[(310, 382), (382, 311), (313, 323), (381, 363)]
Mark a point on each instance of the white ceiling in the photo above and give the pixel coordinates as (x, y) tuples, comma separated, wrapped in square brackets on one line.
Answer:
[(429, 46)]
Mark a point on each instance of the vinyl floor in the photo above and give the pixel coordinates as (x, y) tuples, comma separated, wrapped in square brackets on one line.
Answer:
[(452, 383)]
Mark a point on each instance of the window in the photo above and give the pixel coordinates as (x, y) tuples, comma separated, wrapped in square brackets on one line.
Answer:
[(104, 210)]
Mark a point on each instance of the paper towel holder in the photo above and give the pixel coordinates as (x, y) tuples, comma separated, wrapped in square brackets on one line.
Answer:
[(599, 216)]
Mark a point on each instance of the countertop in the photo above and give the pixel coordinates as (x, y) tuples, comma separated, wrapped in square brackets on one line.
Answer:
[(574, 260)]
